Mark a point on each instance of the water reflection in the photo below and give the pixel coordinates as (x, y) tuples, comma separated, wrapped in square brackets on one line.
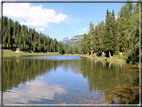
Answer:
[(72, 80), (52, 57), (104, 63), (121, 67), (33, 91), (110, 64), (107, 78)]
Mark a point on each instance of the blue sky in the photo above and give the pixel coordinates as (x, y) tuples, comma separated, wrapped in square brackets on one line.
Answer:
[(59, 20)]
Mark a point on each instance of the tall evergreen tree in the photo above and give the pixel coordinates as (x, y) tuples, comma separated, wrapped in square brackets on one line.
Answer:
[(108, 39), (91, 39), (133, 52), (96, 41), (113, 33), (83, 46), (8, 33), (74, 49)]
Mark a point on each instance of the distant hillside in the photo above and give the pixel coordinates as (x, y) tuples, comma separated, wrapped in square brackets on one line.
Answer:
[(75, 40), (65, 40)]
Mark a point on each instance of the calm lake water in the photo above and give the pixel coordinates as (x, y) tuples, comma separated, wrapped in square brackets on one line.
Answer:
[(66, 80)]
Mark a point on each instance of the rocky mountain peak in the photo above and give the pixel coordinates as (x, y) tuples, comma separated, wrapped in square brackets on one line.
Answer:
[(64, 40)]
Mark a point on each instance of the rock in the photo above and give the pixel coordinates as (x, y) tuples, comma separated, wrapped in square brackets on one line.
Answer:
[(17, 51), (75, 40)]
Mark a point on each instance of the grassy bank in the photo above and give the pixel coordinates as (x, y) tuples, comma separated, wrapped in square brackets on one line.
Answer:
[(25, 54), (10, 53), (107, 59), (72, 54)]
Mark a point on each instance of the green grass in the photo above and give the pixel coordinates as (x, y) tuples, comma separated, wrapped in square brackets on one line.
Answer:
[(25, 54), (71, 54), (107, 59)]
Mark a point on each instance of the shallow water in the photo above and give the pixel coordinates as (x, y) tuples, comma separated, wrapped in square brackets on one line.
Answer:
[(63, 80)]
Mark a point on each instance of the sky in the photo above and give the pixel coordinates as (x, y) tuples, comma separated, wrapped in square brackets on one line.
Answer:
[(59, 20)]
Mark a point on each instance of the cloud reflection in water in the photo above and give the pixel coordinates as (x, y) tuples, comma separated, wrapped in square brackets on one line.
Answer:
[(33, 91)]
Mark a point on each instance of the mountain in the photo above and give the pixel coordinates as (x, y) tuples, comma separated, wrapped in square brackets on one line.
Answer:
[(65, 40), (75, 40)]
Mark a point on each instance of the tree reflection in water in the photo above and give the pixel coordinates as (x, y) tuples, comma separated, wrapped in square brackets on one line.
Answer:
[(104, 78)]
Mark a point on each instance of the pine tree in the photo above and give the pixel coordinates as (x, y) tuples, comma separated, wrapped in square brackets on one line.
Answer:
[(91, 39), (113, 33), (8, 33), (83, 46), (61, 51), (20, 45), (96, 41), (13, 33), (66, 48), (108, 39), (54, 45), (88, 45), (39, 43), (133, 52), (79, 49), (4, 31), (74, 49)]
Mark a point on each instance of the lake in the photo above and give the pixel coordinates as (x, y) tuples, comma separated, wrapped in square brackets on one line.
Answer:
[(57, 79)]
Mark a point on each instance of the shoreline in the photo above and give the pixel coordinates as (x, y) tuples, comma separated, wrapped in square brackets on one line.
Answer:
[(25, 54), (105, 59), (113, 60)]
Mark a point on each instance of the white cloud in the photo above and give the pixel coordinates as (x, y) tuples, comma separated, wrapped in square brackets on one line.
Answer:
[(33, 15), (40, 29), (84, 29)]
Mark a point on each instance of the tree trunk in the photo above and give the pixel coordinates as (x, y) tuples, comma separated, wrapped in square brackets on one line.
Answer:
[(103, 54), (121, 54), (95, 55), (110, 54)]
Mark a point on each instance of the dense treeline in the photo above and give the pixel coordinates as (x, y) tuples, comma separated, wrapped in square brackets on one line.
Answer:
[(115, 35), (16, 35), (19, 36)]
